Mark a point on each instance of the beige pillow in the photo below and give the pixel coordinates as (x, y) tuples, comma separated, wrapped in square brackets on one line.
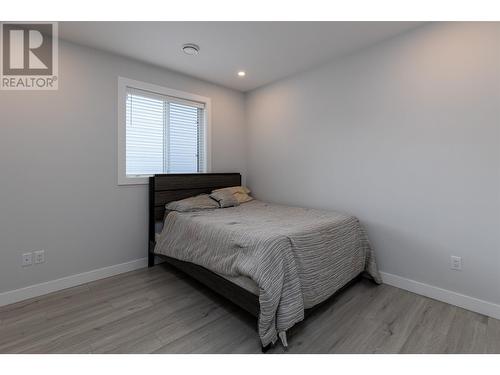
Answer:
[(239, 192), (242, 197), (225, 199), (197, 203), (234, 189)]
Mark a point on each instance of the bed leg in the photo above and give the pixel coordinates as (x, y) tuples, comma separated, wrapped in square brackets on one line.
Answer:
[(151, 254), (151, 259), (283, 339), (266, 348)]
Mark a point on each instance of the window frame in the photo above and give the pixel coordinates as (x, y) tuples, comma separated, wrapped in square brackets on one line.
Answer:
[(123, 85)]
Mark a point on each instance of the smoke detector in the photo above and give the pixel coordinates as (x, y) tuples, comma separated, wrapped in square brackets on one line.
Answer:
[(190, 49)]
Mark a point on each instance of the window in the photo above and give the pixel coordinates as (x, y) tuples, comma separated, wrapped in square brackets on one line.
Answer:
[(160, 131)]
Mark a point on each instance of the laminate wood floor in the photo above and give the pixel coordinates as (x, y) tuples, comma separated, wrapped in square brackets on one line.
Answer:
[(160, 310)]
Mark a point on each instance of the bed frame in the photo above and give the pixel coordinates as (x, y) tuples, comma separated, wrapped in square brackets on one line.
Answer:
[(165, 188)]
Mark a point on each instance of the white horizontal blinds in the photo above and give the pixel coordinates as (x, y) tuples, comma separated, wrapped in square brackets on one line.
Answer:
[(164, 134), (183, 139), (145, 128)]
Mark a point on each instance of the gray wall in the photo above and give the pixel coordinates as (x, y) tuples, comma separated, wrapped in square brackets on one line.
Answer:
[(58, 189), (405, 135)]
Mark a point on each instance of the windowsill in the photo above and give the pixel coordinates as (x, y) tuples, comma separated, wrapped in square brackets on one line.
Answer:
[(139, 180)]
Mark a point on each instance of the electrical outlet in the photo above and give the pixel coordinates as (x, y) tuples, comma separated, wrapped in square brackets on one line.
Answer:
[(456, 263), (39, 256), (27, 259)]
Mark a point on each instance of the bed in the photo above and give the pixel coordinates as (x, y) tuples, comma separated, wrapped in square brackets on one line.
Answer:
[(276, 262)]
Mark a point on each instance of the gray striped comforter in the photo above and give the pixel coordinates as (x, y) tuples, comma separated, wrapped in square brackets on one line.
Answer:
[(297, 256)]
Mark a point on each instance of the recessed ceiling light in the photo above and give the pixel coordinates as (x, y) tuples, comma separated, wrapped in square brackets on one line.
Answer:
[(241, 73), (190, 49)]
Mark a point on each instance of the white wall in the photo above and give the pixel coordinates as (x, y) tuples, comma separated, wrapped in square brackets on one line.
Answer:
[(58, 189), (405, 135)]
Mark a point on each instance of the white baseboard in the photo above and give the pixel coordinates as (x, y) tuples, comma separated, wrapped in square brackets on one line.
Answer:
[(12, 296), (444, 295)]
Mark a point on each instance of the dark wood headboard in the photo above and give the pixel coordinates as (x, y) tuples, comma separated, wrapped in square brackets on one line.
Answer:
[(165, 188)]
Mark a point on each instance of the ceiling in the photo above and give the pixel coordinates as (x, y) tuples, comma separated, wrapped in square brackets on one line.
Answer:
[(267, 51)]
